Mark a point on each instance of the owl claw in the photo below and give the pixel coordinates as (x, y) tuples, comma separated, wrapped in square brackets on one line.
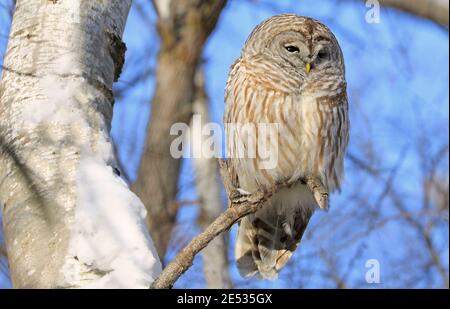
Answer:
[(242, 191), (239, 195), (287, 229)]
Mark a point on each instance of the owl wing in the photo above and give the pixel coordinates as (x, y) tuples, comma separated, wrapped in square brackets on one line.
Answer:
[(228, 122)]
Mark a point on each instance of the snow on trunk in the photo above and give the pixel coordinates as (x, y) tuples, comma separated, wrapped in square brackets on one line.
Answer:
[(69, 219)]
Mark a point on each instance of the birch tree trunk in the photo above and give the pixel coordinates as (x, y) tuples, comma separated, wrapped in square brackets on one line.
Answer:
[(69, 219), (208, 184)]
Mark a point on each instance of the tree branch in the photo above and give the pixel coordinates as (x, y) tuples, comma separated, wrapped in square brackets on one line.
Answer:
[(435, 10), (240, 205)]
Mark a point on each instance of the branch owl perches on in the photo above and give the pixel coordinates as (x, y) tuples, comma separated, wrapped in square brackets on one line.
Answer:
[(239, 206)]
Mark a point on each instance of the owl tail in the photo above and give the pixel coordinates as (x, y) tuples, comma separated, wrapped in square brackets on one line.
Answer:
[(267, 239)]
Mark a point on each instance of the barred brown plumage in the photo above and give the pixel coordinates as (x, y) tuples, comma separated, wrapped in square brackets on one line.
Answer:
[(290, 73)]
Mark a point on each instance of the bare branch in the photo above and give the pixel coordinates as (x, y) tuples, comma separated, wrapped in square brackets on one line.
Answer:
[(185, 258), (435, 10)]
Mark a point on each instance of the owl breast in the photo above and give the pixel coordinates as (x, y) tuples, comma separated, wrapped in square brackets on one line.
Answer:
[(311, 127)]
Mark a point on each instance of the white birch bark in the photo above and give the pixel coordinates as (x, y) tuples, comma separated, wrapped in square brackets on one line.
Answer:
[(208, 184), (69, 219)]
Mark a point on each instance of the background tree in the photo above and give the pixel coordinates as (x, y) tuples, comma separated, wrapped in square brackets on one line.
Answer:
[(68, 219), (183, 27)]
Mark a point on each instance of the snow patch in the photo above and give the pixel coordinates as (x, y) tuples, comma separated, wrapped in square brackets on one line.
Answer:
[(55, 108), (110, 245), (66, 64), (56, 94)]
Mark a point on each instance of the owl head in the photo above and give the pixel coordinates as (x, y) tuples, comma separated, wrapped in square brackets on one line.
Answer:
[(298, 45)]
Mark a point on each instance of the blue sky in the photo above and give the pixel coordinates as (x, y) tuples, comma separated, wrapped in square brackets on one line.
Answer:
[(397, 74)]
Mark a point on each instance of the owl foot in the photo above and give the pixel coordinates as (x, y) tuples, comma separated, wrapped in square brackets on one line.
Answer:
[(318, 191), (239, 195)]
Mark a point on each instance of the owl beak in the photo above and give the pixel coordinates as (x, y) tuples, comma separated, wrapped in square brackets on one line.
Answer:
[(308, 67)]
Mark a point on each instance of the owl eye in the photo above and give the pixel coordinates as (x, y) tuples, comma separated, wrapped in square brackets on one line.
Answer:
[(292, 49), (323, 54)]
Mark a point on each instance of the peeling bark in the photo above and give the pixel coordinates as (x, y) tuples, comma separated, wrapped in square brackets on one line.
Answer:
[(55, 110)]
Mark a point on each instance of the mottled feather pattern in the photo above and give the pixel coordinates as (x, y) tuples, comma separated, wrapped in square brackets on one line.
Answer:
[(266, 85)]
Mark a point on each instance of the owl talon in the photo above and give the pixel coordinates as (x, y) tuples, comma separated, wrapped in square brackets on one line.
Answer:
[(239, 195), (242, 191)]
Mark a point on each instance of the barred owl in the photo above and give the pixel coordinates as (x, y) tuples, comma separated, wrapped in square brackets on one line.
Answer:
[(291, 73)]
